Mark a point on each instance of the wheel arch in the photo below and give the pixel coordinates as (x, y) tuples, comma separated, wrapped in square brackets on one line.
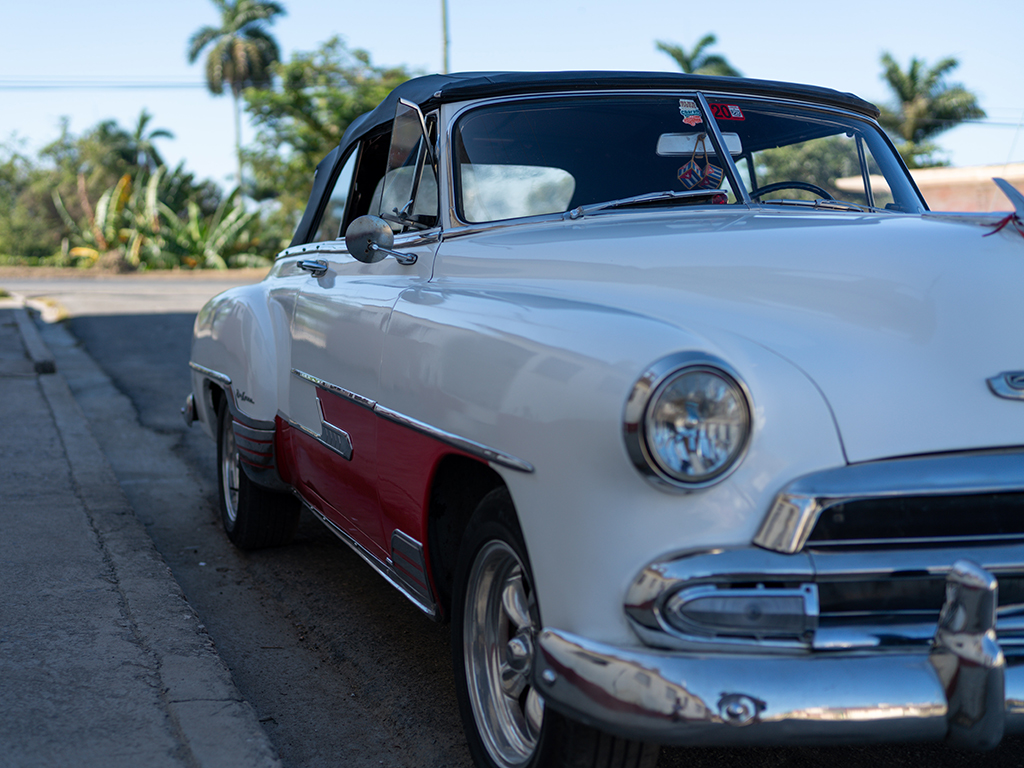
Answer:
[(458, 485)]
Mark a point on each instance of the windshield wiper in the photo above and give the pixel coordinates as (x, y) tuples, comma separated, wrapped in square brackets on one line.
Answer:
[(832, 205), (645, 199)]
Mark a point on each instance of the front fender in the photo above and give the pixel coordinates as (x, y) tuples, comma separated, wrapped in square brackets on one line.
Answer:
[(546, 380)]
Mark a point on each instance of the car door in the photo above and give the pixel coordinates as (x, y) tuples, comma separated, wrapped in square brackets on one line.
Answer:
[(341, 317)]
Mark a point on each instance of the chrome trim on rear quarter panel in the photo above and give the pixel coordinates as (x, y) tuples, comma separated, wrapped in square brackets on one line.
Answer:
[(220, 378)]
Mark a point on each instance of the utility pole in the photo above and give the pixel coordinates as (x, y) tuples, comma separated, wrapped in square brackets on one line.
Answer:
[(444, 33)]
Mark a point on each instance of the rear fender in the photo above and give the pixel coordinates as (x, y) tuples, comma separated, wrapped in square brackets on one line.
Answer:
[(240, 357)]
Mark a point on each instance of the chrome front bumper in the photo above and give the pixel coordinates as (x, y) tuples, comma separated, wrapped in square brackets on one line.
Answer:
[(961, 688)]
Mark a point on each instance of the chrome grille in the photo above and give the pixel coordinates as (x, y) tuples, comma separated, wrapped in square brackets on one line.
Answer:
[(921, 519)]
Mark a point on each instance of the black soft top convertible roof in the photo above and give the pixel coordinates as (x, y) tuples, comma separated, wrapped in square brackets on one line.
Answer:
[(430, 91)]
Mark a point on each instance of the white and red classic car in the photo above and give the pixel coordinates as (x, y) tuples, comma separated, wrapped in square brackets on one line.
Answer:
[(669, 392)]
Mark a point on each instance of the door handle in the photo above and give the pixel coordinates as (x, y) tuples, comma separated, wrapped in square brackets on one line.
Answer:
[(315, 267)]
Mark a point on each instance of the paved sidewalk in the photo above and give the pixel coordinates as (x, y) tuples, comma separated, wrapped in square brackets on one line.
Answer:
[(102, 661)]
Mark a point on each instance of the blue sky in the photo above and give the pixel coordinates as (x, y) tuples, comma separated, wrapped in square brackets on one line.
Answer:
[(826, 43)]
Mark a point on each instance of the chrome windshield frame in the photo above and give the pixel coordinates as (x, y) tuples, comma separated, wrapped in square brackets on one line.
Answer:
[(453, 113)]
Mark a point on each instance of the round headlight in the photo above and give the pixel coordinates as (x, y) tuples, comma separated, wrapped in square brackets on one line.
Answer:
[(687, 425)]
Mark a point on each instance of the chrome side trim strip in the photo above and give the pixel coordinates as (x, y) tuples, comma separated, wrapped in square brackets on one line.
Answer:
[(236, 412), (469, 446), (334, 438), (410, 566), (463, 444), (351, 396), (797, 507), (209, 373), (384, 569), (296, 426)]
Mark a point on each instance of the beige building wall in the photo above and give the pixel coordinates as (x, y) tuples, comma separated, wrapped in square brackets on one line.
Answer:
[(968, 189)]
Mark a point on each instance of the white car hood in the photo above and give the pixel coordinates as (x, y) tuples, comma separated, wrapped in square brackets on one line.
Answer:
[(899, 320)]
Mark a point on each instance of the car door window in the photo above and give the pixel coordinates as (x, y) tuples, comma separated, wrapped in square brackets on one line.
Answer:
[(334, 210), (407, 195)]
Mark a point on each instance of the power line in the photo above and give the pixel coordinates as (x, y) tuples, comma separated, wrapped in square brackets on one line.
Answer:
[(113, 85)]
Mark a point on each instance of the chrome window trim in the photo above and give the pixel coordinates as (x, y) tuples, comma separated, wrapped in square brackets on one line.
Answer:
[(719, 141), (404, 239), (796, 508), (462, 443)]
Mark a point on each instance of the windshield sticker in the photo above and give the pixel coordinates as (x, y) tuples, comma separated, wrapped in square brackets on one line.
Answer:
[(727, 112), (691, 114)]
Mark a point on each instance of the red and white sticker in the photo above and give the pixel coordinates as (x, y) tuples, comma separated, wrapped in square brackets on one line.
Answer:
[(691, 114), (727, 112)]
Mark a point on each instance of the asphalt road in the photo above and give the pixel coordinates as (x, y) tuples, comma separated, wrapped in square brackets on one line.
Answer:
[(341, 669)]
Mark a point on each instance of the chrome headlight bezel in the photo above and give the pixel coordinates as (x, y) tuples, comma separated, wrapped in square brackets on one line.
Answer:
[(649, 387)]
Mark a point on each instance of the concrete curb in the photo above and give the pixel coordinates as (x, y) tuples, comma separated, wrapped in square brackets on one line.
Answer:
[(208, 714), (42, 359)]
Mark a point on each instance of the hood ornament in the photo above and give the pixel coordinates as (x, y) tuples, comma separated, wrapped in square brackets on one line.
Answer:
[(1008, 384)]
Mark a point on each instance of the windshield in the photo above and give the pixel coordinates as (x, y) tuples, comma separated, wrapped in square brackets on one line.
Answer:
[(554, 155)]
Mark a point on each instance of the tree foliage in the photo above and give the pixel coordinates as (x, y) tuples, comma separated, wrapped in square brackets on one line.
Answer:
[(240, 53), (821, 162), (925, 105), (105, 198), (698, 61), (25, 216), (303, 117)]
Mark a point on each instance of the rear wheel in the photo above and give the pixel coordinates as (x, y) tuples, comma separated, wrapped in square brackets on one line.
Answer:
[(495, 622), (253, 517)]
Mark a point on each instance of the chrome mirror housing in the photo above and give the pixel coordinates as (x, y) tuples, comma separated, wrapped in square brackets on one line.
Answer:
[(369, 239)]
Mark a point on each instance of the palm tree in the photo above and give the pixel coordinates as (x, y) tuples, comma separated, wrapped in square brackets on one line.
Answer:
[(697, 62), (241, 55), (141, 144), (925, 105)]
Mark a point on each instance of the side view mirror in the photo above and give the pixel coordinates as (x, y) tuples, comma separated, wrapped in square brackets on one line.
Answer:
[(369, 239)]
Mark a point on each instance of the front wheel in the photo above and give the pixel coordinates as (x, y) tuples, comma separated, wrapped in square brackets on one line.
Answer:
[(254, 517), (495, 622)]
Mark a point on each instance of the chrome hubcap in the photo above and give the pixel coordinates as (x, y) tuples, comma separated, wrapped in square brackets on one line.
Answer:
[(498, 635), (229, 472)]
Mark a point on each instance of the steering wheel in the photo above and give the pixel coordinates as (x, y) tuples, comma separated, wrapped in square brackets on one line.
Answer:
[(804, 185)]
